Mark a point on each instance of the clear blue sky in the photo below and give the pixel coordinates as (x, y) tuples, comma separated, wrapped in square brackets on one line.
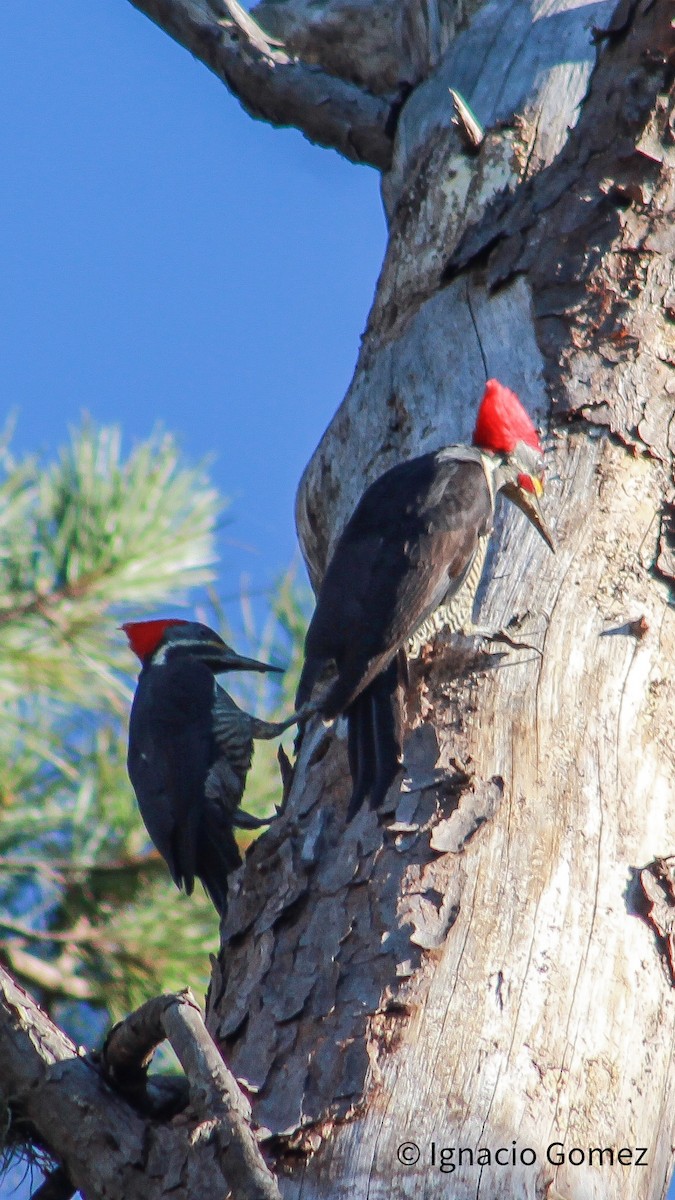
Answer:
[(164, 257)]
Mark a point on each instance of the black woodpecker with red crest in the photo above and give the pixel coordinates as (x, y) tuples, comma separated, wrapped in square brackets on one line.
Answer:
[(408, 563), (190, 749)]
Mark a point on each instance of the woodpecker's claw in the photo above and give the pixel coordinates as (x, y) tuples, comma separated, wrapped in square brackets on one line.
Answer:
[(244, 820), (500, 635)]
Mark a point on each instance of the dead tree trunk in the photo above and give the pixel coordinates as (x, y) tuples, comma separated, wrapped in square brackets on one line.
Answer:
[(473, 972), (476, 972)]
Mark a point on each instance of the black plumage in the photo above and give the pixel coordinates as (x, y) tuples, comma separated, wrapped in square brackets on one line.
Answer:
[(408, 563), (408, 546), (190, 749)]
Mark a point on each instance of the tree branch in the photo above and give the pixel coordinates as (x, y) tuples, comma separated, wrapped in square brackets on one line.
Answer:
[(57, 977), (273, 86), (57, 867), (79, 934), (65, 1103), (214, 1093), (49, 1086)]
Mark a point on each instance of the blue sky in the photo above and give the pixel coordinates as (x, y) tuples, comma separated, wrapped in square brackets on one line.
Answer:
[(164, 257)]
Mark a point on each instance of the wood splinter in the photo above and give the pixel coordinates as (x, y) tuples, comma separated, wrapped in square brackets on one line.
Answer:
[(469, 128)]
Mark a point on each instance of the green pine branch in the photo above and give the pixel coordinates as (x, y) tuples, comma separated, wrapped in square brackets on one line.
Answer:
[(88, 911)]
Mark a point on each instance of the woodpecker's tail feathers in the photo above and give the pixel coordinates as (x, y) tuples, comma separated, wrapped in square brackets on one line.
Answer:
[(181, 851), (374, 739), (360, 750), (218, 856)]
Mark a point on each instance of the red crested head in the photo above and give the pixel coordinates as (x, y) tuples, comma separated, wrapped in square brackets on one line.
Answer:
[(145, 636), (502, 421)]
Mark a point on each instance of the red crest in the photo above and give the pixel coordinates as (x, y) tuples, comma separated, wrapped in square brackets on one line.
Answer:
[(502, 421), (145, 636)]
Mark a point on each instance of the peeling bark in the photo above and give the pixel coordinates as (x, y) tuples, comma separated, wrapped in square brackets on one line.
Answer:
[(473, 970), (275, 86)]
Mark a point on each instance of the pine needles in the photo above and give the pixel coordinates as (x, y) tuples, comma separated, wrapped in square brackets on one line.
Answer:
[(87, 911)]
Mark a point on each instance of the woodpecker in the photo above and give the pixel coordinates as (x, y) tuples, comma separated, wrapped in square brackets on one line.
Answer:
[(407, 563), (190, 749)]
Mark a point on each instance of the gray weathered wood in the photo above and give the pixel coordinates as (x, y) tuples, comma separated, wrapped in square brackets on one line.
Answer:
[(380, 47), (107, 1147), (502, 987), (272, 84)]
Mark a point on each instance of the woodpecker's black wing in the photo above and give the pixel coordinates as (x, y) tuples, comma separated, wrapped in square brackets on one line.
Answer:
[(410, 542), (171, 751)]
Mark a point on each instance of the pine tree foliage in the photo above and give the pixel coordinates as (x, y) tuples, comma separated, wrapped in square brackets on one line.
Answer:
[(87, 910)]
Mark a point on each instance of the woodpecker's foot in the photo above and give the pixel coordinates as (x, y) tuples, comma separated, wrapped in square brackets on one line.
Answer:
[(244, 820), (266, 730), (500, 635)]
